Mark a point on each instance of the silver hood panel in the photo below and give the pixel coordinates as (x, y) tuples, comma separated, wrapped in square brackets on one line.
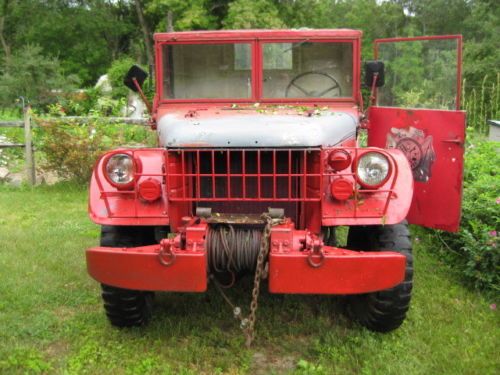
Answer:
[(257, 130)]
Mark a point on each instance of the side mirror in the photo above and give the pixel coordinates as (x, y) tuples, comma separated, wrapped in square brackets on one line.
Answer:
[(135, 78), (374, 68)]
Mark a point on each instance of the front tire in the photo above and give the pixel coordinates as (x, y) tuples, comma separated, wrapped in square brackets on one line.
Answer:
[(385, 310), (125, 307)]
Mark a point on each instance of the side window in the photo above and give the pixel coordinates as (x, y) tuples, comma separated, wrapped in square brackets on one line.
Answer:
[(420, 73)]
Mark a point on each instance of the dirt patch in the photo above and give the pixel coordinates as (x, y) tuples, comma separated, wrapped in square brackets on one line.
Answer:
[(57, 349), (265, 363), (64, 312)]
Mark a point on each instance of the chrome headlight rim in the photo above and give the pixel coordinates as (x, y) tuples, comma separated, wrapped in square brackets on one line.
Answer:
[(362, 182), (129, 182)]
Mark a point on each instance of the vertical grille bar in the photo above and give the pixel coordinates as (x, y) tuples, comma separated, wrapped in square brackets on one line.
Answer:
[(228, 162), (274, 174), (244, 172), (183, 169), (290, 173), (259, 177), (198, 177), (304, 175), (213, 173)]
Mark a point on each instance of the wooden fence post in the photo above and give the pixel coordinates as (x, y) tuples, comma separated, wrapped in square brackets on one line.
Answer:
[(28, 147)]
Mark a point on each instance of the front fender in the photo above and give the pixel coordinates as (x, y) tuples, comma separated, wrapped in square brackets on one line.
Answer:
[(388, 204), (109, 205)]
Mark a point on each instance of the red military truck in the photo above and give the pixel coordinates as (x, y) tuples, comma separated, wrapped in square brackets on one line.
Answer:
[(258, 162)]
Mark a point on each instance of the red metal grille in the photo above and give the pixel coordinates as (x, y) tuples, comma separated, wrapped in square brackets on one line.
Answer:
[(212, 175)]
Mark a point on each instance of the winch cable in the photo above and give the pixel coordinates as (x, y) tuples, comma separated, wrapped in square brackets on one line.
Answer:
[(232, 249), (247, 324)]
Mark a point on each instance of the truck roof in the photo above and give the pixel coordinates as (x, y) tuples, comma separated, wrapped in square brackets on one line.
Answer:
[(260, 34)]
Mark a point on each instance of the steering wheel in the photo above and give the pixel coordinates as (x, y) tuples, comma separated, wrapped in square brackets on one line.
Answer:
[(313, 93)]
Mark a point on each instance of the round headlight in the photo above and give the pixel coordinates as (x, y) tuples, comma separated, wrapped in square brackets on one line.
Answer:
[(372, 169), (120, 169)]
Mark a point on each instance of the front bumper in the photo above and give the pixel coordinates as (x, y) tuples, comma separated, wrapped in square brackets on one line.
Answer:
[(139, 268), (292, 268)]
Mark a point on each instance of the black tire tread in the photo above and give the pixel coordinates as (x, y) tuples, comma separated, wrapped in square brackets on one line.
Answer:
[(329, 236), (385, 310), (125, 307)]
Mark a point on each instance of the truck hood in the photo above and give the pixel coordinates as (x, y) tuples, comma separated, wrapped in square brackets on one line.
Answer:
[(255, 128)]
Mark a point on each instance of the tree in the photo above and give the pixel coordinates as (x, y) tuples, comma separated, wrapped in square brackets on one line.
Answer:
[(248, 14), (482, 42), (38, 78), (3, 40), (85, 35), (187, 15), (148, 43)]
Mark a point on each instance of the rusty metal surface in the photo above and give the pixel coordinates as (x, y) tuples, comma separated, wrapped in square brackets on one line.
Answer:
[(253, 34), (235, 219)]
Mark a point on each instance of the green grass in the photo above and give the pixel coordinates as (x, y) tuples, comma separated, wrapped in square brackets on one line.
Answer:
[(52, 321)]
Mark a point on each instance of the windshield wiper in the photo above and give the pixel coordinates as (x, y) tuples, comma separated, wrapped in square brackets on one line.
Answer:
[(295, 45)]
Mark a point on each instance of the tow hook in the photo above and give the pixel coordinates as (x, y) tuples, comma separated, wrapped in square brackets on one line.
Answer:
[(315, 247), (166, 256)]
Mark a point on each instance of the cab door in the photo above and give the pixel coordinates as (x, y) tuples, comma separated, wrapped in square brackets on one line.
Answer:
[(418, 111)]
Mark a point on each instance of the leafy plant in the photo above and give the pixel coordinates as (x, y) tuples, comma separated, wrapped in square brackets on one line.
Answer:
[(116, 73), (482, 102), (475, 248), (71, 149)]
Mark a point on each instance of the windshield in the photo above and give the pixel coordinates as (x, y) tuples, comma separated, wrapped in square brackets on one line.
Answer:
[(207, 71), (307, 70), (301, 70)]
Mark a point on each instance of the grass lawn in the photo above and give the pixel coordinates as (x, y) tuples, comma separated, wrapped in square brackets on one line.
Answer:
[(51, 319)]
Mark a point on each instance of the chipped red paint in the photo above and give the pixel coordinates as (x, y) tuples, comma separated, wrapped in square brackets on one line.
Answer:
[(436, 202), (138, 268), (343, 272), (111, 206)]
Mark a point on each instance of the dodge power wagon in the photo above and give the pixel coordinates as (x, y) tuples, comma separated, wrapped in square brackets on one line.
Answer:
[(265, 147)]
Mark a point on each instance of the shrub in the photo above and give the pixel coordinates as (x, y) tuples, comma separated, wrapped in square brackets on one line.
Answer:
[(80, 103), (116, 73), (475, 247), (119, 92), (72, 149)]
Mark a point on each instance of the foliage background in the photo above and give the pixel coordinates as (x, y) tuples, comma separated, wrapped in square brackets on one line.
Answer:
[(81, 38)]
